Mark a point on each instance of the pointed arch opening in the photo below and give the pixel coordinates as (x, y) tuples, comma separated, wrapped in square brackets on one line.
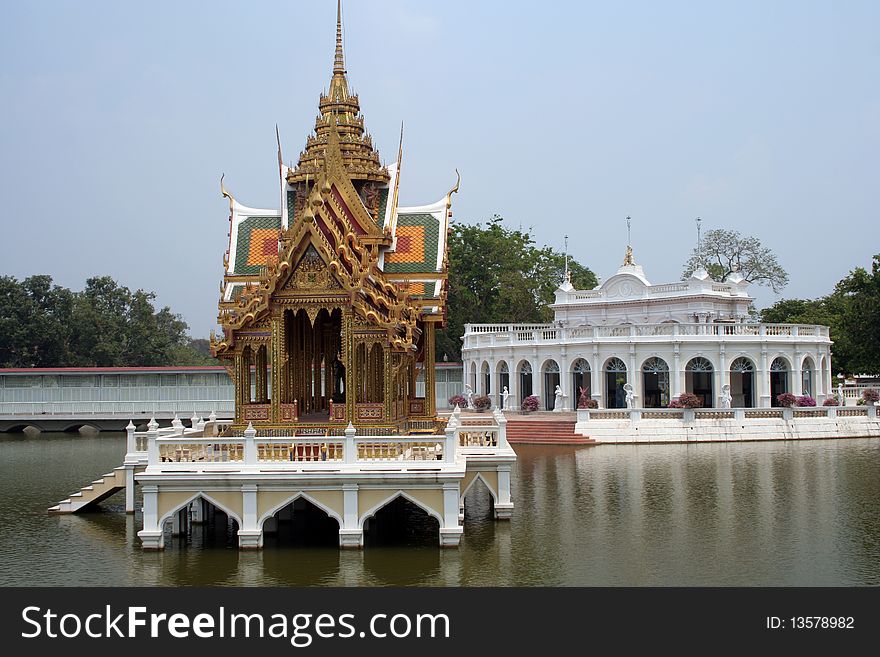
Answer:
[(201, 522), (401, 522), (478, 500), (300, 523)]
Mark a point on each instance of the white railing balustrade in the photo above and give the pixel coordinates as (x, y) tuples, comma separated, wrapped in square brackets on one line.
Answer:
[(688, 415), (477, 335)]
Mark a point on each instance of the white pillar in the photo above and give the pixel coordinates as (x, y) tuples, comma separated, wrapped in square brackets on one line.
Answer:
[(351, 535), (450, 529), (129, 488), (449, 442), (250, 445), (130, 446), (152, 537), (349, 449), (676, 380), (152, 445), (503, 505), (250, 535), (764, 382)]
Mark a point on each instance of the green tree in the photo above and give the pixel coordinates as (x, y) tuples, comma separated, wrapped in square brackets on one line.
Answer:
[(105, 325), (723, 252), (852, 311), (499, 275)]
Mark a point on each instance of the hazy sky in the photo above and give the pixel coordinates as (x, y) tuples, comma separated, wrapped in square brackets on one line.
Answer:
[(117, 119)]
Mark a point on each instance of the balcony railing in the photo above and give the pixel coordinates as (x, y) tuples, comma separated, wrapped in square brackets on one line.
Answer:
[(180, 449), (481, 335)]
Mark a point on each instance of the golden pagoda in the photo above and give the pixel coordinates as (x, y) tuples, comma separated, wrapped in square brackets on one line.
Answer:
[(329, 305)]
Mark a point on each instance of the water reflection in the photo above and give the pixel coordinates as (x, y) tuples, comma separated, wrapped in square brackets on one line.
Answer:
[(711, 514)]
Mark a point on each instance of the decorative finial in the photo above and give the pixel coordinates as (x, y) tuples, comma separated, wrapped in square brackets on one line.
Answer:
[(226, 194), (699, 241), (628, 260), (339, 59), (567, 271)]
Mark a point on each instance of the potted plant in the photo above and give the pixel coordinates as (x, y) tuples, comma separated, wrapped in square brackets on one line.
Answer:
[(786, 400), (686, 400), (870, 397), (458, 400), (806, 400), (482, 403), (831, 401), (530, 404)]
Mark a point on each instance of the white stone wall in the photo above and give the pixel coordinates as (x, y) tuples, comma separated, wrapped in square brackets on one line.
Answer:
[(635, 351)]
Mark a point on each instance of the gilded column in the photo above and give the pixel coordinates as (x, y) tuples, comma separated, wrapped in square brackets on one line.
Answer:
[(348, 355), (238, 370), (262, 384), (278, 358), (430, 377)]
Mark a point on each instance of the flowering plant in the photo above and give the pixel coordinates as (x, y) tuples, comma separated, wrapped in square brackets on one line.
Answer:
[(871, 396), (806, 400), (482, 402), (458, 400), (530, 403), (686, 400), (831, 401), (786, 399)]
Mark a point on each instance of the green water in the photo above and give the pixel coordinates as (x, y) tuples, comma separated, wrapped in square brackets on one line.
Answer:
[(779, 513)]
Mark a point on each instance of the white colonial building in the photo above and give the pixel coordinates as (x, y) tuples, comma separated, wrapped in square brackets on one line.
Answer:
[(688, 336)]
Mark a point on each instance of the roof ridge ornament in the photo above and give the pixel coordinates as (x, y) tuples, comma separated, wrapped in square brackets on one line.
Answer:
[(226, 194)]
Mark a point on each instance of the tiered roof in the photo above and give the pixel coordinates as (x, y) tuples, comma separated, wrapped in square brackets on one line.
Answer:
[(341, 193)]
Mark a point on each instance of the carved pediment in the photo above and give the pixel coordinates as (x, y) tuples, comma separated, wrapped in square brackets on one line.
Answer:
[(310, 274)]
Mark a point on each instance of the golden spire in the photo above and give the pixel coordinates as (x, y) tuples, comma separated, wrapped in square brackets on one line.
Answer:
[(339, 60), (360, 159)]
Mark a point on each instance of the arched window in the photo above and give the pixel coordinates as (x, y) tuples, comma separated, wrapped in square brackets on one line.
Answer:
[(503, 382), (699, 380), (551, 380), (655, 383), (807, 376), (615, 379), (580, 378), (778, 379), (487, 379), (525, 380), (742, 383)]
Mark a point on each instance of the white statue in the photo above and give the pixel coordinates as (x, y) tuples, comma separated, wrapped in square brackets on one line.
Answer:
[(630, 395), (558, 404), (725, 396), (504, 395), (841, 400), (469, 395)]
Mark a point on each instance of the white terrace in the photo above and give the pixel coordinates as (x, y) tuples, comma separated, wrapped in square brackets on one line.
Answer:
[(350, 477)]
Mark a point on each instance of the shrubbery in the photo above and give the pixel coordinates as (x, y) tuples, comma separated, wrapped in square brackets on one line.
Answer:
[(482, 402), (786, 400), (530, 403), (686, 400)]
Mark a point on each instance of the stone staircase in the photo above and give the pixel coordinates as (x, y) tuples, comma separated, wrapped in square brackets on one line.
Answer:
[(98, 490), (544, 430)]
